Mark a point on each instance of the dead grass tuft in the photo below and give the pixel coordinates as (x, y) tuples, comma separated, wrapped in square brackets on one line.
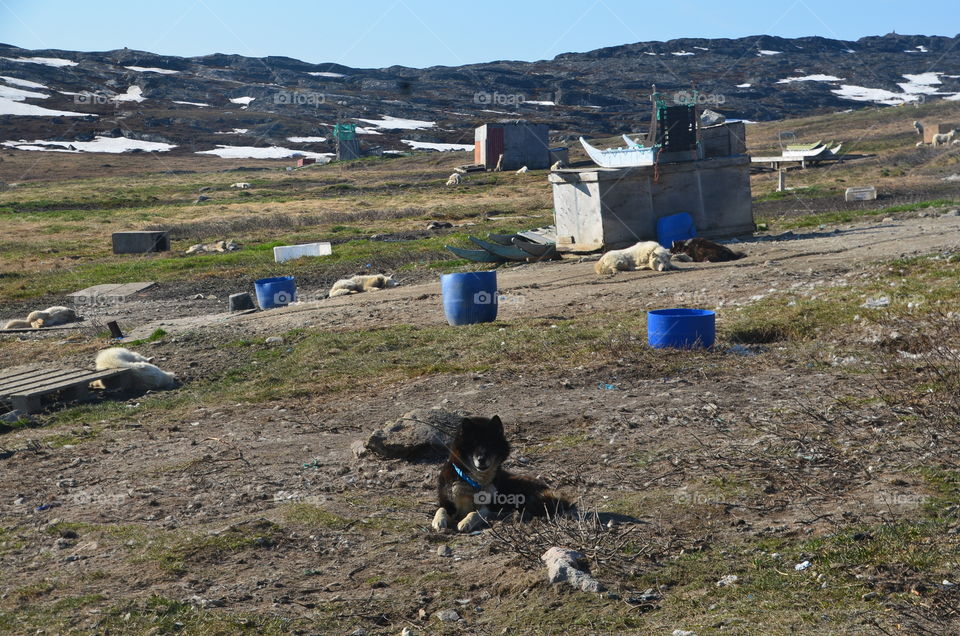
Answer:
[(199, 230)]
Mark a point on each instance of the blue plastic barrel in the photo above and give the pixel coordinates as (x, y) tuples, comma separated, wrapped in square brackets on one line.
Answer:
[(681, 328), (275, 292), (676, 227), (469, 297)]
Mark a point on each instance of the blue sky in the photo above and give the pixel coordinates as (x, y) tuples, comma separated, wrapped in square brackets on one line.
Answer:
[(421, 33)]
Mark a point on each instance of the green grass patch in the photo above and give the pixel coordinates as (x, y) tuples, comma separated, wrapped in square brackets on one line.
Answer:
[(811, 192), (314, 516), (914, 287), (157, 334), (848, 216), (162, 615), (178, 553)]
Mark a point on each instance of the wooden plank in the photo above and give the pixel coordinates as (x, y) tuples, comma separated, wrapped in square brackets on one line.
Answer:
[(15, 375), (74, 325), (16, 386), (16, 372), (30, 399), (86, 378), (46, 376)]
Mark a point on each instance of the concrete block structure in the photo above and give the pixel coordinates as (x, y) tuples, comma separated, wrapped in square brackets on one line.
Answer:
[(140, 242), (862, 193), (611, 208), (520, 143), (723, 140)]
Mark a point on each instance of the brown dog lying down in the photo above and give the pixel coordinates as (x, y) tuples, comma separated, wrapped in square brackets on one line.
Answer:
[(700, 250)]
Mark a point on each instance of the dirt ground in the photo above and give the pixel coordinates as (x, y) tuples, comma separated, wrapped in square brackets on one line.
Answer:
[(776, 262), (107, 515)]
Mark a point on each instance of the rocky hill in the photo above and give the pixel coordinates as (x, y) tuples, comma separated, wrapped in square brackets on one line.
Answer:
[(76, 101)]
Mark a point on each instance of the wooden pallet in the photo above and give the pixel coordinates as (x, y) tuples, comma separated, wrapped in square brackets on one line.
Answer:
[(26, 388)]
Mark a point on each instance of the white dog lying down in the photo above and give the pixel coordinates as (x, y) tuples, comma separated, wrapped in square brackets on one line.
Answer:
[(49, 317), (52, 316), (144, 375), (643, 255), (361, 283)]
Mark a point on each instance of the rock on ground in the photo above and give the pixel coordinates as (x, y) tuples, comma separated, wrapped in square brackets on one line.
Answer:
[(416, 434), (446, 616), (570, 566)]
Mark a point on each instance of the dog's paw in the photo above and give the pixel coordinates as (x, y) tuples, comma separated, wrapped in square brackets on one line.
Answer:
[(470, 522), (683, 258), (441, 520)]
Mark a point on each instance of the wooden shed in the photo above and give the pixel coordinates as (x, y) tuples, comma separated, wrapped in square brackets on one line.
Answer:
[(520, 143)]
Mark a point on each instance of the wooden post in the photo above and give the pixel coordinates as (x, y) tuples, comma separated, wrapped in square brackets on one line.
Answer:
[(781, 180), (114, 329)]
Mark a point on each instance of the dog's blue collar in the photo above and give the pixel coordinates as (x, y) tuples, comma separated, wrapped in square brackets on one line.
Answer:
[(465, 477)]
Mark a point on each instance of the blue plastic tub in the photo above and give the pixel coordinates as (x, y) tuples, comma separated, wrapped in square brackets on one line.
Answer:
[(469, 297), (275, 292), (676, 227), (681, 328)]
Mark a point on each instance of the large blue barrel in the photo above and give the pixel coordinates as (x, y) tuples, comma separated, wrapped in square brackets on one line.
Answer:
[(275, 292), (681, 328), (676, 227), (469, 297)]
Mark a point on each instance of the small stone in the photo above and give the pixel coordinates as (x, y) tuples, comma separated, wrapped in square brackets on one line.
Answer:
[(201, 199), (274, 340), (198, 297), (422, 614), (446, 616), (359, 632), (683, 632), (14, 416), (729, 579), (406, 632), (444, 551), (869, 596), (415, 435)]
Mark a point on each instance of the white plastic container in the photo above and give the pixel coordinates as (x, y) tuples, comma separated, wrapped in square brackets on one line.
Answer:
[(283, 253)]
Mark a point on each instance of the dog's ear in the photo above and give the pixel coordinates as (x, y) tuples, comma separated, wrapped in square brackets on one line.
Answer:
[(495, 421)]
